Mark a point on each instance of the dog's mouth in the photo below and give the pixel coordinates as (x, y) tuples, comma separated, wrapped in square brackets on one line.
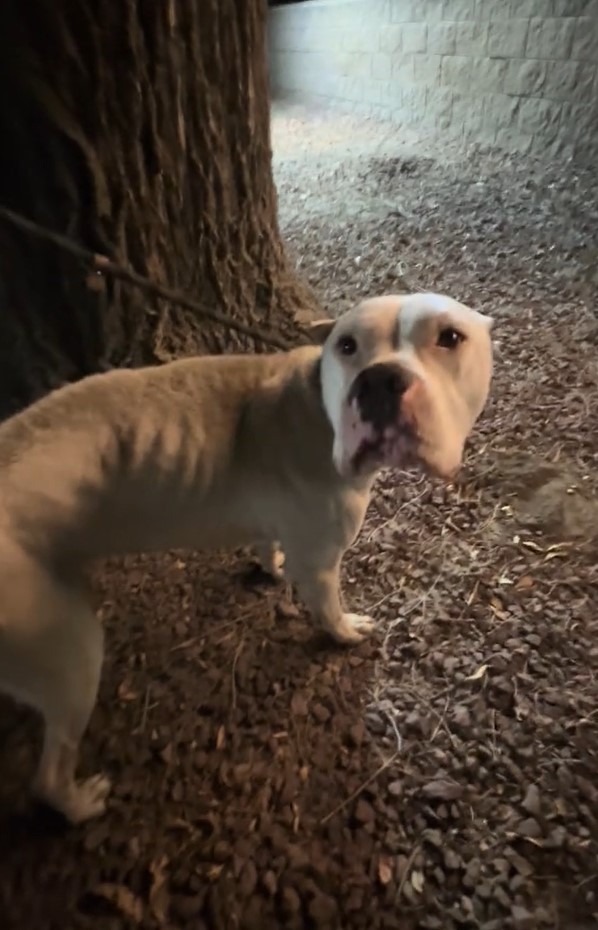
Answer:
[(396, 447), (368, 448)]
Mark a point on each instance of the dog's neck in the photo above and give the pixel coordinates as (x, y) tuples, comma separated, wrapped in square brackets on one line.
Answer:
[(290, 405), (360, 482)]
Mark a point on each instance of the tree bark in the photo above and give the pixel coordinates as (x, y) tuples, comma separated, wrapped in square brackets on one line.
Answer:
[(140, 128)]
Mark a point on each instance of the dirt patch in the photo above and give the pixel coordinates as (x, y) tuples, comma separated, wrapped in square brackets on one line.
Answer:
[(552, 496), (230, 730), (445, 775)]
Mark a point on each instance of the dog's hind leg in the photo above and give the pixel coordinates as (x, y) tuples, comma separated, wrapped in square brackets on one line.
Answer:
[(51, 651), (67, 710)]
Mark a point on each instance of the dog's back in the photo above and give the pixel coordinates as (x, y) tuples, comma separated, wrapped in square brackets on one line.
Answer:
[(112, 463)]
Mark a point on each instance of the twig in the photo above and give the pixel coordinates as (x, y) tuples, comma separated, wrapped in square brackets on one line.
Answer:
[(406, 870), (386, 764), (441, 723), (358, 791), (410, 607), (105, 266), (145, 710), (233, 679), (393, 723)]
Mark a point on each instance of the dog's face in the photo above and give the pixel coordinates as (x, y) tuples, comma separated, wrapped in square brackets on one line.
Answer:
[(404, 379)]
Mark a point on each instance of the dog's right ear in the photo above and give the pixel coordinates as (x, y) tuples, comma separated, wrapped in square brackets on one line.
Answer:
[(319, 330)]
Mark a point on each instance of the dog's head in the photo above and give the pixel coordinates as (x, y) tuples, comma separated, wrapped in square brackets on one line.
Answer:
[(404, 379)]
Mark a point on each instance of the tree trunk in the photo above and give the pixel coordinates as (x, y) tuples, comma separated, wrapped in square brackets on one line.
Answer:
[(139, 128)]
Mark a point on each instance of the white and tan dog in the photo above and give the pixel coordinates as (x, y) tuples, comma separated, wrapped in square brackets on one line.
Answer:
[(215, 451)]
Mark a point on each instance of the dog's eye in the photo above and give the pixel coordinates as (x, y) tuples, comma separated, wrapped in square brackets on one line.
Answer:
[(347, 345), (449, 338)]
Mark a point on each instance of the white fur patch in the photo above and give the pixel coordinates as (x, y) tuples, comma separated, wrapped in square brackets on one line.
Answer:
[(333, 396)]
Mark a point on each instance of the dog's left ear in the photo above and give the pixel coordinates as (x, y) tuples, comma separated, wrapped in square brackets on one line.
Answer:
[(488, 321), (319, 330)]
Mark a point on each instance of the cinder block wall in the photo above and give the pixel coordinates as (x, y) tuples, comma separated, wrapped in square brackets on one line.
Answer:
[(519, 74)]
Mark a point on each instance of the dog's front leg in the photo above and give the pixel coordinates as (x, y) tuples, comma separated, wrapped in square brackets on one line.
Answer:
[(318, 585), (271, 558)]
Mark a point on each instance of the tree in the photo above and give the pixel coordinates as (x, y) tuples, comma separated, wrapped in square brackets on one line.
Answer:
[(139, 128)]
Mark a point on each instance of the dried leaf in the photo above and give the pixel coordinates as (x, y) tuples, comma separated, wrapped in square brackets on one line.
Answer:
[(296, 817), (220, 737), (472, 595), (525, 583), (417, 881), (384, 870), (481, 671), (518, 836), (126, 693), (529, 544), (159, 897), (123, 899)]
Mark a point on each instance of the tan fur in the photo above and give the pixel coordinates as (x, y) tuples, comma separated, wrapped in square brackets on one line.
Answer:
[(217, 451)]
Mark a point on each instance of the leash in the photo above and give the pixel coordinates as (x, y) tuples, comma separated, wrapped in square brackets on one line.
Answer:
[(102, 265)]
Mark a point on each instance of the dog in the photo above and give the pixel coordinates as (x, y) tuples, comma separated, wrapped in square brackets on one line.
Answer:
[(277, 451)]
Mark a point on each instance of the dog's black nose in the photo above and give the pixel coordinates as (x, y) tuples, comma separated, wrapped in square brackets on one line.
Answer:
[(378, 391)]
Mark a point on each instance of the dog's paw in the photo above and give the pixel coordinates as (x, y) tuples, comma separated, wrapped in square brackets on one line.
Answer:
[(271, 560), (353, 628), (87, 799), (276, 567)]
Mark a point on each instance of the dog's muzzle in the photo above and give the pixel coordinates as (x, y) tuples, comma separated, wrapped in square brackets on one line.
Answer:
[(378, 391), (374, 428)]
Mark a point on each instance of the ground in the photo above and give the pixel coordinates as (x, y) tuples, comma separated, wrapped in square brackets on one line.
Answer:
[(443, 775)]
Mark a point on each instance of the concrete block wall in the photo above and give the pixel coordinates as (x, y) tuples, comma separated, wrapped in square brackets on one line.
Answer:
[(518, 74)]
